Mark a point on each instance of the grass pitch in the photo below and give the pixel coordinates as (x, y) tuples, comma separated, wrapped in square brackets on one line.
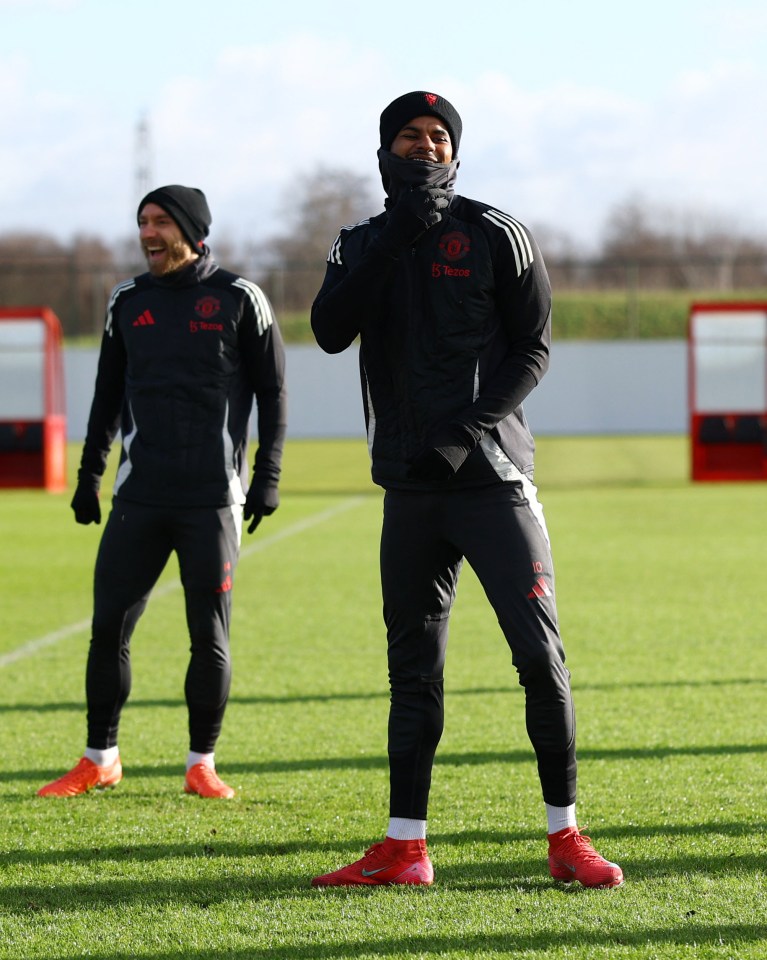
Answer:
[(662, 602)]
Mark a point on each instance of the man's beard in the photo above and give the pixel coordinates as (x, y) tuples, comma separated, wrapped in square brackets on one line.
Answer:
[(176, 256)]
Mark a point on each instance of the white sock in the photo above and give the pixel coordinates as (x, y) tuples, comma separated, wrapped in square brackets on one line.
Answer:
[(102, 758), (400, 828), (560, 818), (195, 758)]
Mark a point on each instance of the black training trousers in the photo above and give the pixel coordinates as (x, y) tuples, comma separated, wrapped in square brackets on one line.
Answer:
[(501, 532), (135, 547)]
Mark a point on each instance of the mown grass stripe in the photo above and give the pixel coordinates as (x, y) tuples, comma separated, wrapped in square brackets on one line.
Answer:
[(50, 639)]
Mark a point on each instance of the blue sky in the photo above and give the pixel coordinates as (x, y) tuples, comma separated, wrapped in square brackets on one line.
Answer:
[(569, 108)]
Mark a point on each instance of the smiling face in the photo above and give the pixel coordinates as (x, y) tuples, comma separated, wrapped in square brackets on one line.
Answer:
[(162, 242), (424, 139)]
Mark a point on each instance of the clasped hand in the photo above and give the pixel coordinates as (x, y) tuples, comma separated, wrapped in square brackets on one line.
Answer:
[(415, 212)]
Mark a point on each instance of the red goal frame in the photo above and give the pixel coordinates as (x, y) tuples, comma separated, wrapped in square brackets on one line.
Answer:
[(33, 441), (727, 390)]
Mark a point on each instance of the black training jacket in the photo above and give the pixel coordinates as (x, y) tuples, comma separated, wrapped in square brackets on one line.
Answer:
[(182, 358), (454, 334)]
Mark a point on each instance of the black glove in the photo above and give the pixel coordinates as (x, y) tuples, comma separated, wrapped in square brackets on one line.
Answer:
[(260, 502), (431, 466), (413, 214), (85, 501), (441, 461)]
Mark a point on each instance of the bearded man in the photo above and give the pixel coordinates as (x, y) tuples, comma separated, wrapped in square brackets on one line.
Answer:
[(186, 348)]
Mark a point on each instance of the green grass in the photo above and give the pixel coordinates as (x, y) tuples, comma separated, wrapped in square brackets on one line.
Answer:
[(595, 314), (662, 602)]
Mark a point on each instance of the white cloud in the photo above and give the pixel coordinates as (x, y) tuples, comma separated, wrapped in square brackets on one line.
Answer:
[(565, 155), (259, 116)]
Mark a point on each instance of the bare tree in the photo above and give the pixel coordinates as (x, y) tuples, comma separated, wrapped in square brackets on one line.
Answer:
[(38, 270), (94, 275), (293, 264), (678, 248), (562, 254)]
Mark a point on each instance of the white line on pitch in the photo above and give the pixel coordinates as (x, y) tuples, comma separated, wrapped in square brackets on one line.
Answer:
[(32, 646)]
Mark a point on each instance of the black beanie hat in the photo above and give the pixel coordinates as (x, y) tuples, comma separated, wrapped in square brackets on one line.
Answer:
[(419, 103), (188, 207)]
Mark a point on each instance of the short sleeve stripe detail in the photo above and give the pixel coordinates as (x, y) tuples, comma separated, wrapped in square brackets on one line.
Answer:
[(523, 252), (113, 298), (264, 317), (334, 255)]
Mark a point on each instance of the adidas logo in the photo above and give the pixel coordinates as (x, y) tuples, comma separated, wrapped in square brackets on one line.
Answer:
[(226, 586), (540, 590), (144, 320)]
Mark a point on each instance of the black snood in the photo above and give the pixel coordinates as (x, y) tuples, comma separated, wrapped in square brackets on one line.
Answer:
[(399, 175)]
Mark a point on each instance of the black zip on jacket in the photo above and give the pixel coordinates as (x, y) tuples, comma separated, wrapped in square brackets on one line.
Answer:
[(182, 358), (454, 334)]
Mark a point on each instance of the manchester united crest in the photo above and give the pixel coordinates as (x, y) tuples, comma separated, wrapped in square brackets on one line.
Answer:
[(207, 307), (454, 246)]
